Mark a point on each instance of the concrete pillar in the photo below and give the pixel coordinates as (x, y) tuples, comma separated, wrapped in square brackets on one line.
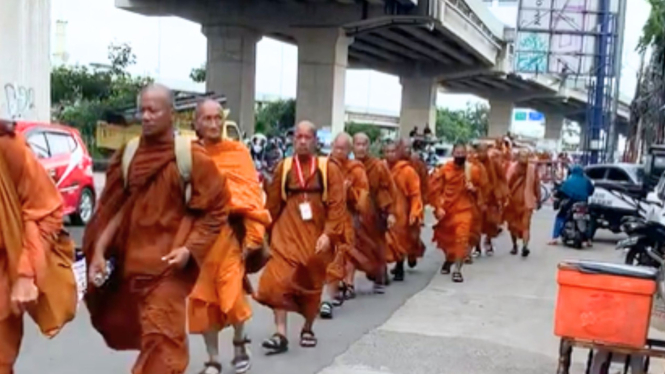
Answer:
[(553, 125), (25, 70), (418, 105), (231, 70), (500, 118), (322, 61)]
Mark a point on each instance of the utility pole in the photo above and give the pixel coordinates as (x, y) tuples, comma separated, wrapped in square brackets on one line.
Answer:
[(618, 60)]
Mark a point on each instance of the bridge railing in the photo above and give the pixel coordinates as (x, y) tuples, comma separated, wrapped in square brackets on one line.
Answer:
[(438, 9)]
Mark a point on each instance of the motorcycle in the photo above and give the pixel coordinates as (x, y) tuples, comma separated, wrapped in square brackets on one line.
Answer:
[(576, 225)]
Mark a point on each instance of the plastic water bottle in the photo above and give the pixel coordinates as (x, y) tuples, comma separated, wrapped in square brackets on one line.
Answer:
[(100, 279)]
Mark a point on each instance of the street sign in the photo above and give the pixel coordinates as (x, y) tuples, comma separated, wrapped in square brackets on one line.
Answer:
[(536, 116), (520, 116)]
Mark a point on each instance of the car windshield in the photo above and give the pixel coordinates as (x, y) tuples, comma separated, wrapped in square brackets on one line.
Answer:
[(637, 172)]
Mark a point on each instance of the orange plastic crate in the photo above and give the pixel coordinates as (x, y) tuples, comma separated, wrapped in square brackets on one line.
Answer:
[(604, 303)]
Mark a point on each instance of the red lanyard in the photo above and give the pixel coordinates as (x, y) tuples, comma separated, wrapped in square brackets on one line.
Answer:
[(301, 178)]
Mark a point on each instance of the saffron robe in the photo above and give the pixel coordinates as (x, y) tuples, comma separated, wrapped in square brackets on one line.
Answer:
[(402, 240)]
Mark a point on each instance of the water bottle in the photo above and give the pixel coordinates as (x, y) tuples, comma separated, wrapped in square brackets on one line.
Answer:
[(100, 279)]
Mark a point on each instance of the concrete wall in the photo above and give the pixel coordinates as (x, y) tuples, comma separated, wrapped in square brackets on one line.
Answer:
[(25, 59)]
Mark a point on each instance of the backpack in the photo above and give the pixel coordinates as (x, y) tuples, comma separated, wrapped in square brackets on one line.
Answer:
[(322, 167), (183, 159)]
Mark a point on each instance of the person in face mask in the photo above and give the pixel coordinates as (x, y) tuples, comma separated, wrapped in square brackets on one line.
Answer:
[(452, 194)]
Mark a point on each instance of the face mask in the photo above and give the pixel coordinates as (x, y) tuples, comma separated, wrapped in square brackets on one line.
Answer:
[(459, 161)]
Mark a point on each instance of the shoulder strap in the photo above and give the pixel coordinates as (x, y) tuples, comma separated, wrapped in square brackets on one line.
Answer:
[(127, 156), (323, 168), (183, 159), (286, 167)]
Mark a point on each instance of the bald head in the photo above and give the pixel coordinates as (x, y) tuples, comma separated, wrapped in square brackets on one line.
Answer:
[(404, 148), (305, 138), (156, 108), (361, 145), (208, 121), (342, 146)]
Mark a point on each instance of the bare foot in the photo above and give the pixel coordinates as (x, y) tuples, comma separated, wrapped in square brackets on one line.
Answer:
[(553, 242)]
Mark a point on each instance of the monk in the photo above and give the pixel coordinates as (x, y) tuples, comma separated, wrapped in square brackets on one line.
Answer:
[(451, 194), (495, 198), (524, 198), (155, 223), (31, 240), (219, 298), (421, 169), (307, 203), (348, 259), (477, 175), (408, 210), (372, 230)]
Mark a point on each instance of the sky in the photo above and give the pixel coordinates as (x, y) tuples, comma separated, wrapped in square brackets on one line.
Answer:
[(168, 48)]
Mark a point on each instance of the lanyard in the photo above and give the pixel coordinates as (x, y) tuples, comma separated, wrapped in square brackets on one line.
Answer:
[(301, 178)]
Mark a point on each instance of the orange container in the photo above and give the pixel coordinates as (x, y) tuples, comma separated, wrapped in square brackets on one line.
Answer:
[(605, 303)]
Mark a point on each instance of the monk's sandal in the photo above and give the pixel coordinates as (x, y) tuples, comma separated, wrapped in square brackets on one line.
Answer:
[(276, 344), (326, 311), (211, 367), (308, 339), (241, 362)]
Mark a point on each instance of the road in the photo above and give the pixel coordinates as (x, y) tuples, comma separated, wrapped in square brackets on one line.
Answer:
[(499, 321)]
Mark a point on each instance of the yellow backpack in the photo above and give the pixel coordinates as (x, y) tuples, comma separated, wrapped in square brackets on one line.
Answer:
[(323, 168)]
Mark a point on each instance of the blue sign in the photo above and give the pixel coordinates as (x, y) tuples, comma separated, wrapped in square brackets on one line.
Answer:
[(536, 116)]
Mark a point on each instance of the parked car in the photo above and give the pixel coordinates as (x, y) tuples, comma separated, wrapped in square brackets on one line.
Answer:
[(64, 155)]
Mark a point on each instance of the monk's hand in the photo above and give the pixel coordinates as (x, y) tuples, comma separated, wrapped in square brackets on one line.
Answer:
[(24, 293), (470, 187), (391, 220), (413, 220), (178, 257), (97, 270), (323, 243)]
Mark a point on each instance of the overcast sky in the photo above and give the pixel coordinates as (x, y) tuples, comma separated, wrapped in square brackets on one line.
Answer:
[(168, 48)]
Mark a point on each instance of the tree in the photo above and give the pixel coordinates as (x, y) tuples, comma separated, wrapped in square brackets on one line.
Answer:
[(198, 75), (275, 118), (462, 125), (373, 132)]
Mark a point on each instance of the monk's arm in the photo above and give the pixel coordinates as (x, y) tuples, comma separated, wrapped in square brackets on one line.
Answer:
[(359, 187), (435, 188), (336, 204), (209, 201), (413, 194), (254, 233), (384, 196)]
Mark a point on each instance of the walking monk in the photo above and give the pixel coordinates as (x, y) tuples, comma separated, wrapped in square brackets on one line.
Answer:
[(161, 210), (496, 197), (348, 258), (35, 255), (451, 194), (307, 203), (421, 169), (408, 210), (524, 198), (219, 299), (371, 231), (476, 174)]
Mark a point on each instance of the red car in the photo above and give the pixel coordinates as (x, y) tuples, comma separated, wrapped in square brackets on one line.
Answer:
[(65, 156)]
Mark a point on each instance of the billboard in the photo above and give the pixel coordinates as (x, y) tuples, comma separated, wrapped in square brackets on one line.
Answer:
[(558, 36)]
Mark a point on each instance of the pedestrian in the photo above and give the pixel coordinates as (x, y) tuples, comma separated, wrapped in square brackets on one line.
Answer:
[(340, 275), (476, 174), (495, 199), (451, 196), (576, 188), (421, 169), (161, 210), (408, 209), (219, 298), (35, 254), (524, 198), (372, 229), (306, 200)]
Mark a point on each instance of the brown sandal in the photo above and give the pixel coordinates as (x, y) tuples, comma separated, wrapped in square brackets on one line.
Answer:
[(308, 339), (211, 365)]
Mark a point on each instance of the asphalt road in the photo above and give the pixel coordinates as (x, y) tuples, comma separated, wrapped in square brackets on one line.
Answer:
[(79, 349)]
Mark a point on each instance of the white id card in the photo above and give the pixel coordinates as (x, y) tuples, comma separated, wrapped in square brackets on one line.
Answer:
[(305, 211)]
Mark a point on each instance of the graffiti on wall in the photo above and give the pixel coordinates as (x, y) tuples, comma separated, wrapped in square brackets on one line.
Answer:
[(20, 100)]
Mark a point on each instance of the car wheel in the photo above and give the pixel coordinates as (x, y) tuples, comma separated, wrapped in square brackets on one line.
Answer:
[(85, 208)]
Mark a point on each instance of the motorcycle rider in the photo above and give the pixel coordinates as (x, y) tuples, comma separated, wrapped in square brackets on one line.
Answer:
[(576, 188)]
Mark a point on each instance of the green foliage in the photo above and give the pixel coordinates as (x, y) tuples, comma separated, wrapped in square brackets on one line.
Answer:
[(653, 31), (198, 75), (275, 118), (462, 125), (372, 131), (82, 96)]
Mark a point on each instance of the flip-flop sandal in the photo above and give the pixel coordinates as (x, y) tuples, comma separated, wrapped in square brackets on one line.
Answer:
[(308, 339), (445, 269), (349, 292), (242, 362), (208, 368), (513, 251), (457, 277), (489, 251), (276, 344), (326, 310)]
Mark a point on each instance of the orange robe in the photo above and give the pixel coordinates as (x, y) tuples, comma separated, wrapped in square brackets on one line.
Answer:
[(219, 298), (497, 195), (447, 191), (402, 240), (357, 205), (30, 228), (421, 168), (479, 197), (142, 305), (524, 198), (294, 277), (372, 229)]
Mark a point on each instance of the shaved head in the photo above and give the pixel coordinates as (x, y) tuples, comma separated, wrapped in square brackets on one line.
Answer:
[(342, 146), (361, 145), (209, 121), (305, 138), (306, 126), (156, 109), (161, 91), (360, 136)]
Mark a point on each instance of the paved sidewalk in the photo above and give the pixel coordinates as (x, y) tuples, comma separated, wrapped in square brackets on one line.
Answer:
[(500, 320)]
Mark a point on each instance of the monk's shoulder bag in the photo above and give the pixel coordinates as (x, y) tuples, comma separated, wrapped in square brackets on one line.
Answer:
[(322, 165), (183, 159)]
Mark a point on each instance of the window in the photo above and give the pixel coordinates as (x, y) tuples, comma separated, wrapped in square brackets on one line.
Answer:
[(60, 144), (37, 143), (596, 173), (618, 175)]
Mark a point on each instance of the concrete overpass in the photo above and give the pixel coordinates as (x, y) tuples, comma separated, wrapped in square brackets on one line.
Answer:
[(457, 44)]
